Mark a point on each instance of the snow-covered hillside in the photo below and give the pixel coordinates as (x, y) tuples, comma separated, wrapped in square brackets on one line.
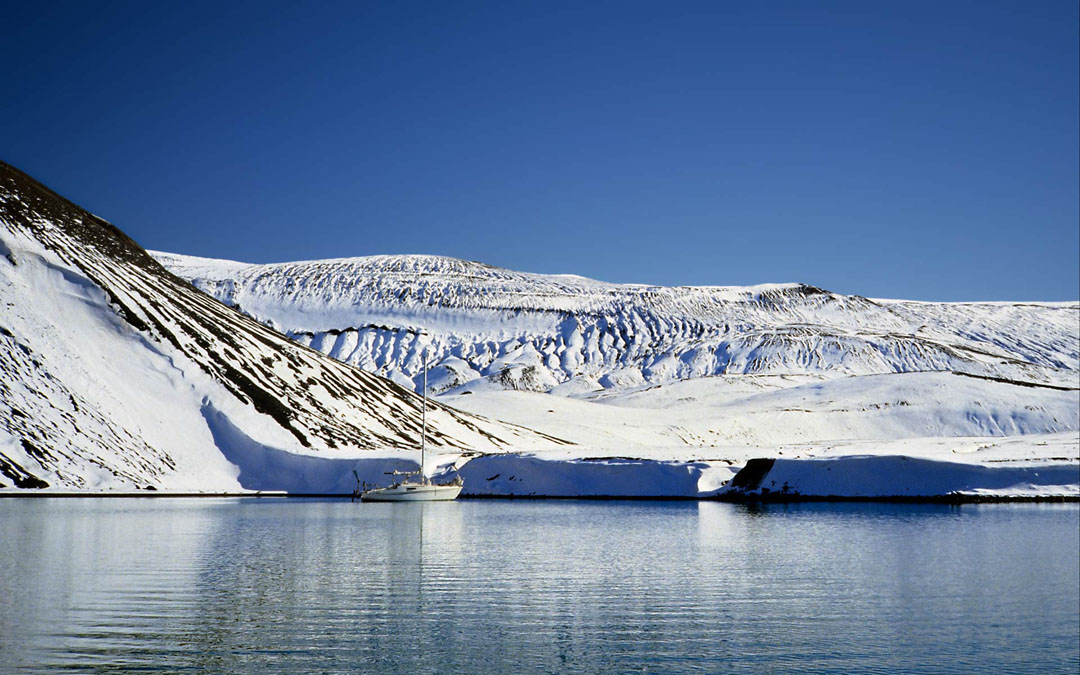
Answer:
[(570, 335), (114, 374), (670, 391), (712, 427)]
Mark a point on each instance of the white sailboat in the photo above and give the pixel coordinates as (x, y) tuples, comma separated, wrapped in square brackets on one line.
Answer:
[(422, 489)]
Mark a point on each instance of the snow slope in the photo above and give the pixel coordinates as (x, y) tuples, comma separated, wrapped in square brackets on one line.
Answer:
[(957, 426), (114, 374), (704, 417), (570, 335)]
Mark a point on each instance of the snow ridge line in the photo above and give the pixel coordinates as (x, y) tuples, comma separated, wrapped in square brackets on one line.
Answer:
[(565, 334)]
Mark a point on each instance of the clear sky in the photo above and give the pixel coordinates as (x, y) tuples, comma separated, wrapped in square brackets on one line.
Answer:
[(925, 150)]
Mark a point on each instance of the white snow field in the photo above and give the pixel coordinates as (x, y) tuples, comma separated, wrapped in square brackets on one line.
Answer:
[(670, 391), (934, 417)]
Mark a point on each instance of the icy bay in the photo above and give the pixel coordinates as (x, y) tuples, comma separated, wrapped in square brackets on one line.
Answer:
[(293, 585)]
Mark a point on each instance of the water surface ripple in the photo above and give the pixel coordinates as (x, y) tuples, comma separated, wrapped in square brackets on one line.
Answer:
[(291, 585)]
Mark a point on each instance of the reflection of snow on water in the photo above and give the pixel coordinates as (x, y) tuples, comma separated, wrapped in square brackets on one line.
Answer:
[(279, 585)]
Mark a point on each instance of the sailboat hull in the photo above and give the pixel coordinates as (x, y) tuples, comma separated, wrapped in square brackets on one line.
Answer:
[(412, 492)]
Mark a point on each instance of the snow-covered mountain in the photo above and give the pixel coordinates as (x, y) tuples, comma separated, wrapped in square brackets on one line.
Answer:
[(669, 391), (116, 374), (571, 335)]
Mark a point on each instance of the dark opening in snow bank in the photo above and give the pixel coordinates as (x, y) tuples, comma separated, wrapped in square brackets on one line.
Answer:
[(751, 475)]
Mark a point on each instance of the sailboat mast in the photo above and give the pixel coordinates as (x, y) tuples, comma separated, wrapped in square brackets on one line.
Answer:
[(423, 421)]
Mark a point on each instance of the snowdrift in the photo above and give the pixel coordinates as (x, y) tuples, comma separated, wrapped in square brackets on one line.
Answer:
[(611, 477)]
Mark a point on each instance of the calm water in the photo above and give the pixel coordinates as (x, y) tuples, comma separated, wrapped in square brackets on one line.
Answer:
[(276, 585)]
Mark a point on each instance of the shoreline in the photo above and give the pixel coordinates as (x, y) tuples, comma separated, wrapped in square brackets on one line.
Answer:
[(731, 499)]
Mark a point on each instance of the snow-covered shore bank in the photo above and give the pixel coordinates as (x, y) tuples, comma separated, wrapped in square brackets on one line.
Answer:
[(566, 474), (862, 476), (901, 477)]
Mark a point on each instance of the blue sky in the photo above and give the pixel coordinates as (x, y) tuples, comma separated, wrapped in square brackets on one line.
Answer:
[(926, 150)]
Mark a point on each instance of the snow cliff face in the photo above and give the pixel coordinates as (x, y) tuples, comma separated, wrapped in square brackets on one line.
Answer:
[(116, 374), (494, 328)]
